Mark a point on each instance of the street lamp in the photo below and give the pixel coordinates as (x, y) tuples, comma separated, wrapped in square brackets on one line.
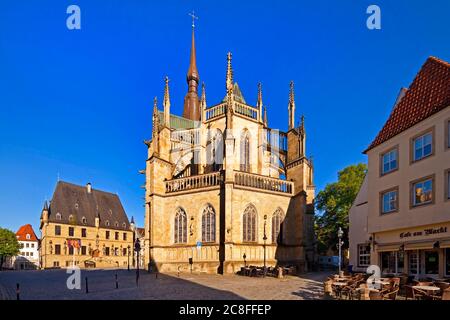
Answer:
[(265, 238), (245, 257), (137, 248), (129, 248), (133, 228), (340, 243)]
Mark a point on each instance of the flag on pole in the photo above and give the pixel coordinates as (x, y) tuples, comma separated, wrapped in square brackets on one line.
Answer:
[(75, 243)]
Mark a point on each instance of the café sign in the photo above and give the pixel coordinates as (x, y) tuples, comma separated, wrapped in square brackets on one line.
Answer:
[(424, 232)]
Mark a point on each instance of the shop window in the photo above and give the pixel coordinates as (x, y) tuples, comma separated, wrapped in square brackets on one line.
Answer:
[(413, 262), (431, 262), (447, 262), (363, 255), (392, 262)]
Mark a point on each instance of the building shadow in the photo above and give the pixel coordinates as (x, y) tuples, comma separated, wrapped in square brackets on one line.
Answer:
[(295, 244), (102, 286)]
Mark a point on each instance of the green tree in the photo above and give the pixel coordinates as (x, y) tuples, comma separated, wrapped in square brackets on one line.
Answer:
[(333, 204), (9, 246)]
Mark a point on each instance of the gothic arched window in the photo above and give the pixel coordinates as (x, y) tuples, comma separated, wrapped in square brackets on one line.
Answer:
[(180, 226), (277, 228), (214, 151), (208, 224), (249, 224), (245, 151)]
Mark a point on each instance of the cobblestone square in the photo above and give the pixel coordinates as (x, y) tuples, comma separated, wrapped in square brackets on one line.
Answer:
[(51, 285)]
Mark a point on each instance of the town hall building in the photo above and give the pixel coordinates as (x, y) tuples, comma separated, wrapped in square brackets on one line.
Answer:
[(224, 190)]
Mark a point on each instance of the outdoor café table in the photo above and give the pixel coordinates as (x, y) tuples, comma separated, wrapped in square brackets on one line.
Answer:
[(427, 288), (384, 283), (339, 284)]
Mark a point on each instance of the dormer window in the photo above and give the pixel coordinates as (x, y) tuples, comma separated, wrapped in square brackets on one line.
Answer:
[(124, 225), (110, 212), (76, 206), (71, 219), (107, 223), (84, 220), (58, 216), (28, 236), (116, 224)]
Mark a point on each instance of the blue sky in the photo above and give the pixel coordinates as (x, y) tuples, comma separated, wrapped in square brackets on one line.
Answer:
[(78, 103)]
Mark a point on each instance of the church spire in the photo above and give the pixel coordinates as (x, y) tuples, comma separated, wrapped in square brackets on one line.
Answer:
[(166, 103), (192, 71), (229, 80), (155, 134), (203, 98), (191, 101), (291, 106), (265, 117), (259, 102), (230, 88)]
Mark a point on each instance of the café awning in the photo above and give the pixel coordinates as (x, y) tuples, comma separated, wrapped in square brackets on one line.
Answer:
[(420, 245), (444, 244), (388, 247)]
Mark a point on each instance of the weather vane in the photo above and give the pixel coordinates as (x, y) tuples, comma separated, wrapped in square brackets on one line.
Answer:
[(192, 14)]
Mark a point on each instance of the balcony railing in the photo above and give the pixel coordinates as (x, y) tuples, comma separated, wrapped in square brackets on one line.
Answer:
[(215, 111), (264, 183), (246, 110), (193, 182)]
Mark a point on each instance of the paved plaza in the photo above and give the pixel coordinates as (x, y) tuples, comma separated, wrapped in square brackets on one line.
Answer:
[(51, 284)]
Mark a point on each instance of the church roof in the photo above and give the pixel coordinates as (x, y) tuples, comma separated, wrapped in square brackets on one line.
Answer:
[(237, 94), (177, 122), (428, 94), (25, 230), (76, 201)]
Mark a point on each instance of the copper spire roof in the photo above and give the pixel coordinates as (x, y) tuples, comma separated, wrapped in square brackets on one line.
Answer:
[(428, 94), (191, 108), (193, 72)]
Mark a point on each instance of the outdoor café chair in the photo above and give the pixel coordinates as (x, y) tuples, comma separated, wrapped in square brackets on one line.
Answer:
[(375, 295), (391, 295), (446, 294), (443, 286)]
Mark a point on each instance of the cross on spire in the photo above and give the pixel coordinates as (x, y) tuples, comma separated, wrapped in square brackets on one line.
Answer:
[(194, 17)]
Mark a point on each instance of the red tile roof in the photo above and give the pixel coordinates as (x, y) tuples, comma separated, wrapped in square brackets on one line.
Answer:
[(428, 94), (23, 231)]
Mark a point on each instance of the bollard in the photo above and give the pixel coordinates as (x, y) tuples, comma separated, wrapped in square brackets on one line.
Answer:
[(156, 275), (87, 288), (137, 278), (280, 272), (327, 289), (17, 291), (117, 282)]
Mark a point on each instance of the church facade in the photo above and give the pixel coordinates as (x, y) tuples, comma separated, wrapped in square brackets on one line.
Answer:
[(224, 190)]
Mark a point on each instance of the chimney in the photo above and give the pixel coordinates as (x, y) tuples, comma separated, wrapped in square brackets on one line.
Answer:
[(89, 187)]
